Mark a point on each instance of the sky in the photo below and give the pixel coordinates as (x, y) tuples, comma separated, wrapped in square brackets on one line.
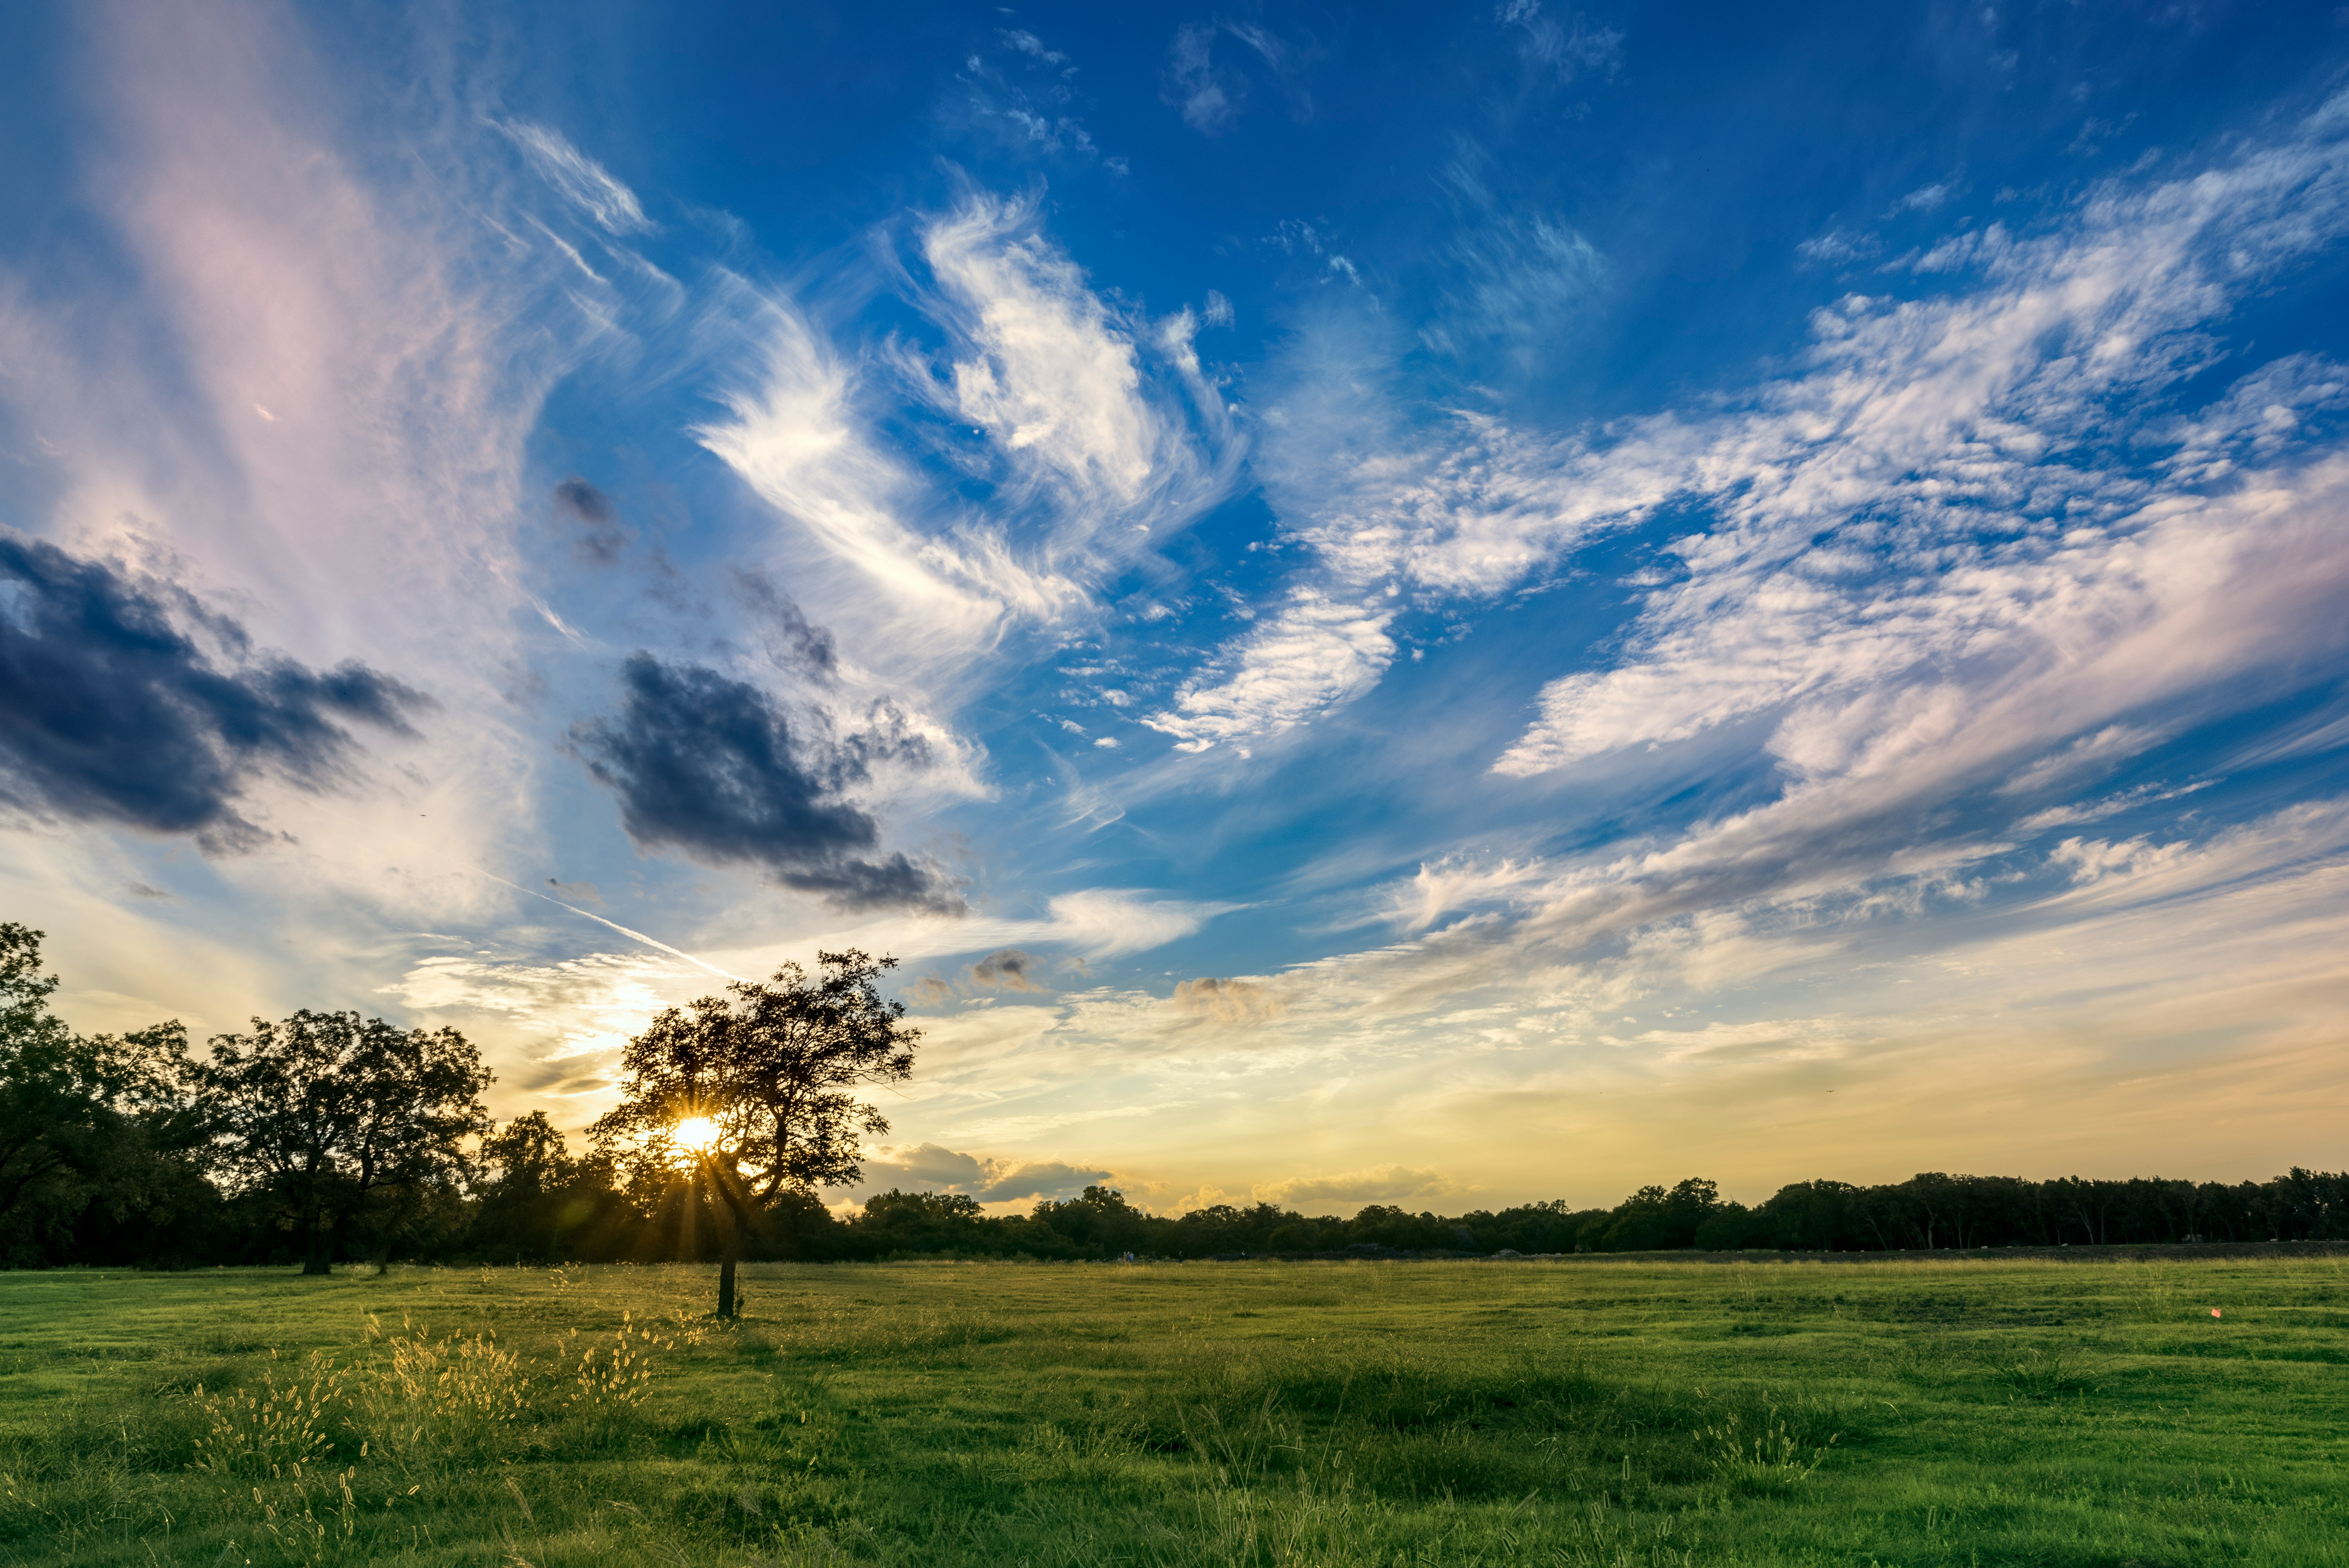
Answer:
[(1446, 605)]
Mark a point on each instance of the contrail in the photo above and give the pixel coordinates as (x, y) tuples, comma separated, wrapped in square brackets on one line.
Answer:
[(651, 942), (616, 925)]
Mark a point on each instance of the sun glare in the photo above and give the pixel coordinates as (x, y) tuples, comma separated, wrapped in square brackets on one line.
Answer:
[(694, 1134)]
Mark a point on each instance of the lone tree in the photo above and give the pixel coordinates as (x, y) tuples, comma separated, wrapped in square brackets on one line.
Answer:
[(745, 1099), (329, 1112)]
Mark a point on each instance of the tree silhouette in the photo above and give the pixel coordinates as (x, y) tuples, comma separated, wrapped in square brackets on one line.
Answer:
[(330, 1113), (110, 1112), (744, 1100)]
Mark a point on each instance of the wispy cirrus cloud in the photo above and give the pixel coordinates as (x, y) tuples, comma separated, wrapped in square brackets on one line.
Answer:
[(574, 1015), (1964, 433), (1060, 384), (1565, 46), (798, 437), (582, 181), (306, 397), (1045, 371), (1307, 656), (1946, 424), (1102, 435)]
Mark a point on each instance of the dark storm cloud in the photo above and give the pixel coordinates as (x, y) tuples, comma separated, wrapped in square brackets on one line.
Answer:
[(603, 539), (1010, 968), (707, 765), (584, 500), (792, 638), (125, 700)]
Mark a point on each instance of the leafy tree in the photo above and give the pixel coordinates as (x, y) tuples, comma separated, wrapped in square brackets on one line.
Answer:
[(1100, 1220), (526, 1176), (527, 1158), (1388, 1225), (339, 1120), (1731, 1228), (896, 1222), (102, 1109), (744, 1101), (1652, 1219), (1297, 1235), (1813, 1216)]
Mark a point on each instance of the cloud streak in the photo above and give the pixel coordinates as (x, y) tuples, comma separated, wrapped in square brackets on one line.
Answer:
[(581, 180)]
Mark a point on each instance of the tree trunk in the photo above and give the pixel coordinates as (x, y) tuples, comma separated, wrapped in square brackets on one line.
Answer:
[(731, 1223), (321, 1258)]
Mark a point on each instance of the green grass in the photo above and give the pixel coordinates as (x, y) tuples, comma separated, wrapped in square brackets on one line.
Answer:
[(1950, 1412)]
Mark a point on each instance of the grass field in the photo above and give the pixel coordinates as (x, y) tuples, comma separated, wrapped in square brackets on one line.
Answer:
[(1956, 1412)]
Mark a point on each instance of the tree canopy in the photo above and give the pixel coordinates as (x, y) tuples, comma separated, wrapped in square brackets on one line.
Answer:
[(331, 1114), (108, 1116)]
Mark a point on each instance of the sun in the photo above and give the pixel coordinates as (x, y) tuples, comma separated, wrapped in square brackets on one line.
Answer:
[(695, 1134)]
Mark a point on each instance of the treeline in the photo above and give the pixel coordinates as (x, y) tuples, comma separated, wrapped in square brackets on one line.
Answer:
[(532, 1202), (330, 1137), (1926, 1211)]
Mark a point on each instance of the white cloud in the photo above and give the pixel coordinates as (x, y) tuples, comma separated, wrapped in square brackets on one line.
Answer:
[(797, 439), (307, 398), (2134, 872), (1105, 434), (1207, 97), (1104, 923), (1027, 42), (582, 180), (1837, 245), (1309, 656), (2088, 754), (1927, 198), (553, 1030), (1379, 1185), (1569, 48), (1051, 376), (1439, 887), (1927, 445), (1911, 508), (1519, 287), (2264, 414)]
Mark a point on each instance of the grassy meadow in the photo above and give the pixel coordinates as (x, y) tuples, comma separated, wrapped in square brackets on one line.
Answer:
[(1956, 1411)]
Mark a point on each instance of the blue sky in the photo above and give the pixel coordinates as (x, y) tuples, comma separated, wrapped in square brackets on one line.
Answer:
[(1444, 606)]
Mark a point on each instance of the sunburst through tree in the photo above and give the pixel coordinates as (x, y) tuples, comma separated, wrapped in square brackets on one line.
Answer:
[(736, 1102)]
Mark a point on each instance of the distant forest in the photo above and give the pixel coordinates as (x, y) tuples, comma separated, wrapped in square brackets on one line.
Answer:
[(532, 1202), (328, 1137)]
